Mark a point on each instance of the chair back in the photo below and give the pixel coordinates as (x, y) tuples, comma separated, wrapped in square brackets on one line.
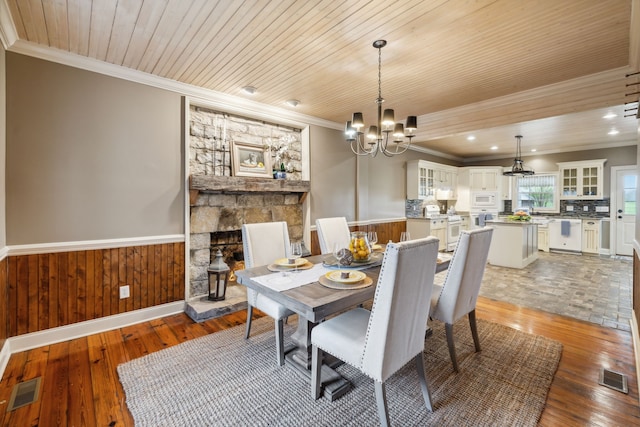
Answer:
[(464, 275), (264, 242), (398, 319), (332, 231)]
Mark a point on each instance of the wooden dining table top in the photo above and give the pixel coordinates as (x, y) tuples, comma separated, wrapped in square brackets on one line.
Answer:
[(314, 301)]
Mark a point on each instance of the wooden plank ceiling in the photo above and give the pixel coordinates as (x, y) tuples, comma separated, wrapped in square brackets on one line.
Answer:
[(489, 67)]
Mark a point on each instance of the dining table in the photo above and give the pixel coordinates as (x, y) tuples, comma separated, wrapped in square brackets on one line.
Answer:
[(301, 292)]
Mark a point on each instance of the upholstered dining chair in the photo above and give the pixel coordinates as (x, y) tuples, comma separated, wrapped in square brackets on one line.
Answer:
[(458, 294), (332, 231), (381, 341), (262, 244)]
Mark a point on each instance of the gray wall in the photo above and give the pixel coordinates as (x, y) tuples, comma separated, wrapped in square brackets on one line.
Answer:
[(90, 156), (332, 175)]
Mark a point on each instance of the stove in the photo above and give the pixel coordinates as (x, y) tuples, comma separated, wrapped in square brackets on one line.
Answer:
[(454, 218), (433, 212)]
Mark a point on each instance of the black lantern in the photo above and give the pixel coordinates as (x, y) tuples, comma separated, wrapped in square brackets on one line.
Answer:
[(218, 278)]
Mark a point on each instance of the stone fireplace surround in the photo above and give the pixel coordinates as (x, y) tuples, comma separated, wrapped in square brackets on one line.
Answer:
[(220, 203)]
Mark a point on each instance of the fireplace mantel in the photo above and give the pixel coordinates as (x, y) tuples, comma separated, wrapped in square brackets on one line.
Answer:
[(235, 185)]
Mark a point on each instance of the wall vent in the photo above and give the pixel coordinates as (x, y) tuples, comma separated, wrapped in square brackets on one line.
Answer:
[(24, 393), (614, 380)]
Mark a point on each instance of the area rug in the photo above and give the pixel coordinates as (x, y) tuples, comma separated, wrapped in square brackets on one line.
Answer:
[(224, 380)]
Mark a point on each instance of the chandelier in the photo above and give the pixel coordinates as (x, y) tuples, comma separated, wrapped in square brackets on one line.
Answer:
[(518, 168), (376, 139)]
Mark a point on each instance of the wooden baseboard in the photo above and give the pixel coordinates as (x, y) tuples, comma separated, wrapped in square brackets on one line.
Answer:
[(636, 342)]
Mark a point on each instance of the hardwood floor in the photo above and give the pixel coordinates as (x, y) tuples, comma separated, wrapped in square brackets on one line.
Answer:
[(80, 385)]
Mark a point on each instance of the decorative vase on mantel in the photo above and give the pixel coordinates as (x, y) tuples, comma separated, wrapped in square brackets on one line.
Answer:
[(280, 174)]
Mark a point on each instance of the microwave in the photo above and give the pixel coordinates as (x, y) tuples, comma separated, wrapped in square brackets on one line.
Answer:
[(484, 199)]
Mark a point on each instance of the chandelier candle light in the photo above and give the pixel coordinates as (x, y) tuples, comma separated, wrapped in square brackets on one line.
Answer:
[(378, 135), (518, 168)]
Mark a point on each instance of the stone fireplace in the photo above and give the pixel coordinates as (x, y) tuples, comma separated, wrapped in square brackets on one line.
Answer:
[(220, 205)]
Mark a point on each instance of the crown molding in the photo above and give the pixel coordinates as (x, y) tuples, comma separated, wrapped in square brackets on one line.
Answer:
[(225, 102), (8, 33)]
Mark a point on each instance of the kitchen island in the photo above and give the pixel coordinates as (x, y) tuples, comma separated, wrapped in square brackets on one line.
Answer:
[(514, 243)]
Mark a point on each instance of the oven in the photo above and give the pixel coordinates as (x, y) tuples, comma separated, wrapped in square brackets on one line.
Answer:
[(454, 225)]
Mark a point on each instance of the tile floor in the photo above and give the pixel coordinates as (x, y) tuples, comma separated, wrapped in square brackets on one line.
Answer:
[(592, 288)]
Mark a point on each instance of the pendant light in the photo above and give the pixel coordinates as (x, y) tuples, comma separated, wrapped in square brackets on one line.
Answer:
[(518, 168)]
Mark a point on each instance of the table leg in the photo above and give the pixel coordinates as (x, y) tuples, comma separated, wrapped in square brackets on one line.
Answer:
[(299, 356)]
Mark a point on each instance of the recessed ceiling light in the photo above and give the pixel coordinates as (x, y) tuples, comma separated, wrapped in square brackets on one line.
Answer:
[(293, 102), (495, 147), (533, 150), (249, 90), (614, 132), (471, 138), (609, 116)]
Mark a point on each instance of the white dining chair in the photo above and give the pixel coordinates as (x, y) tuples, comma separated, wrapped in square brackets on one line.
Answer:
[(458, 294), (262, 244), (381, 341), (332, 231)]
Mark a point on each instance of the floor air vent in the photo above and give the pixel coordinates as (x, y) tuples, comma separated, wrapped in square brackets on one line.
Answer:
[(24, 393), (614, 380)]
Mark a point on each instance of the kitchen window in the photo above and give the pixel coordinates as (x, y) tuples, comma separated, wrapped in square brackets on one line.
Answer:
[(537, 192)]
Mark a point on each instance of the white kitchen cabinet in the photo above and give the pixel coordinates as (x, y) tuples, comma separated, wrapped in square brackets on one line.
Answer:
[(590, 236), (581, 180), (507, 184), (485, 179), (543, 238), (427, 179), (446, 183), (464, 222), (514, 243), (420, 180), (424, 227)]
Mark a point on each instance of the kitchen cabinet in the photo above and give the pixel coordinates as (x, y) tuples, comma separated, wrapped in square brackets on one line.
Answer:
[(427, 179), (424, 227), (464, 222), (446, 183), (507, 184), (543, 238), (590, 236), (484, 179), (420, 180), (514, 244), (581, 180)]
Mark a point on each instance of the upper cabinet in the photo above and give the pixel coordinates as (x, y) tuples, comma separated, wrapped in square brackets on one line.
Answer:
[(427, 179), (581, 180), (419, 180), (485, 179)]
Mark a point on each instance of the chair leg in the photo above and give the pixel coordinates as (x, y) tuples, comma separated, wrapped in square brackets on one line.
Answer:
[(280, 341), (316, 368), (249, 316), (381, 402), (474, 329), (424, 385), (452, 347)]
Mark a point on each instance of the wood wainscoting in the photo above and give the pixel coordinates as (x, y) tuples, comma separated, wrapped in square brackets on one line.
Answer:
[(386, 231), (49, 290)]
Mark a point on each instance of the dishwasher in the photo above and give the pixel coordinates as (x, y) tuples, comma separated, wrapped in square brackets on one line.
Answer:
[(571, 241)]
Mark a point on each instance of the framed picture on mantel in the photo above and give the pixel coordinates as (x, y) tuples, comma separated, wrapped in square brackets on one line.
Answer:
[(251, 160)]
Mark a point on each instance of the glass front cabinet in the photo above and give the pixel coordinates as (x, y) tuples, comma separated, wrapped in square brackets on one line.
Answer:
[(581, 180)]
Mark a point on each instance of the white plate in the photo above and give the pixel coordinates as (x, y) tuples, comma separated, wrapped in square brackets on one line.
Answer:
[(354, 276), (284, 262)]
